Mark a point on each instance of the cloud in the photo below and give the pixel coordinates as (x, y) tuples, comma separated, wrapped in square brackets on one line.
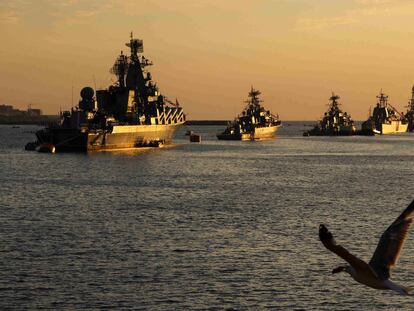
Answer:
[(374, 2), (9, 17), (77, 12), (66, 3), (361, 11), (10, 12), (381, 8), (323, 23)]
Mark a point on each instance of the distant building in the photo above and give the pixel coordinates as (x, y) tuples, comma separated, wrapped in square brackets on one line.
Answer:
[(6, 110), (9, 111), (34, 112)]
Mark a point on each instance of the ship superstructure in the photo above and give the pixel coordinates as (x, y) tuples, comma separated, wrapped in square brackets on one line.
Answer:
[(254, 122), (130, 113), (385, 119), (334, 122)]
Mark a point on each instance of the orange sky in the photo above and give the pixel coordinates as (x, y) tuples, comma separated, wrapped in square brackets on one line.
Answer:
[(209, 53)]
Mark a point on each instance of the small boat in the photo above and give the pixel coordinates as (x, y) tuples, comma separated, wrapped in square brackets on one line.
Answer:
[(194, 138), (253, 123)]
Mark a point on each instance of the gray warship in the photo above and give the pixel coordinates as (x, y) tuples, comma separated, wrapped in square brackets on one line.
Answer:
[(334, 122), (410, 112), (253, 123), (385, 119), (130, 113)]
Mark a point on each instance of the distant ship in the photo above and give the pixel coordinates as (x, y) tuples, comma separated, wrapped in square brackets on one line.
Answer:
[(253, 123), (385, 119), (334, 122), (131, 113), (410, 112)]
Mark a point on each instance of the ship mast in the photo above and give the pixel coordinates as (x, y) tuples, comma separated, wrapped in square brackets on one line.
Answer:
[(254, 98), (334, 104), (382, 100), (135, 77), (136, 46)]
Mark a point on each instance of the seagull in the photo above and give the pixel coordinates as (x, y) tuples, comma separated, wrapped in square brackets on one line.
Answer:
[(376, 273)]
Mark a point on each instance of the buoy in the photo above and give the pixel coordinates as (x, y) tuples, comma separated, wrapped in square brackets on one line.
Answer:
[(194, 138), (47, 148)]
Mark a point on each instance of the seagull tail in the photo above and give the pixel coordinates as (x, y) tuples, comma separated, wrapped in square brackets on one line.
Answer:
[(403, 290), (408, 291)]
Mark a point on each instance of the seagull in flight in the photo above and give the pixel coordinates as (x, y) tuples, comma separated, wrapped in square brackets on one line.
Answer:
[(376, 273)]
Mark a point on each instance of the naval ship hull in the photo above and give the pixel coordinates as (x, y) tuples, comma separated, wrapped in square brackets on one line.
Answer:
[(258, 134), (394, 127), (119, 137), (342, 131)]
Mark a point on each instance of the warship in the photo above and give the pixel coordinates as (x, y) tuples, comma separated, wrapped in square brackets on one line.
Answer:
[(334, 122), (253, 123), (385, 119), (128, 114), (410, 112)]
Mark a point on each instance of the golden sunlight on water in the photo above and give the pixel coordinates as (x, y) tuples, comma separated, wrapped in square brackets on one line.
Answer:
[(215, 225)]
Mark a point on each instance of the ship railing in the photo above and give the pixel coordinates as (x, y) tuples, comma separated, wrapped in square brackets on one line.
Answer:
[(169, 118), (165, 116), (167, 113), (173, 115), (161, 117), (180, 114)]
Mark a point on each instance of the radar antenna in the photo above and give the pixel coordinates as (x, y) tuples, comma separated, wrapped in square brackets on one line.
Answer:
[(334, 104), (382, 100), (120, 68), (136, 46), (254, 97)]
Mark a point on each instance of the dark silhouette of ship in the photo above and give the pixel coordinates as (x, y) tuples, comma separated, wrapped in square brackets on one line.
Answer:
[(131, 113), (334, 122), (410, 112), (385, 119), (253, 123)]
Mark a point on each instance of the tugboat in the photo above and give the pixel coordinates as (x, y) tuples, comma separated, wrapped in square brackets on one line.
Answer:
[(253, 123), (385, 119), (334, 122), (410, 112), (131, 113)]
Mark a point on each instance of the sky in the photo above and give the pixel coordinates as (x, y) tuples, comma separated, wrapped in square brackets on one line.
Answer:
[(208, 54)]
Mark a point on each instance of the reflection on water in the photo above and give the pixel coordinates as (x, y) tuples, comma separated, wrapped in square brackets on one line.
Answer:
[(203, 225)]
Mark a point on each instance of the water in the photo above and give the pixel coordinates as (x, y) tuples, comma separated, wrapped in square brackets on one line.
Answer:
[(217, 225)]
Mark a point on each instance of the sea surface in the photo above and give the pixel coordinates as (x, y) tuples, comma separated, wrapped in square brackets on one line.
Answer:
[(216, 225)]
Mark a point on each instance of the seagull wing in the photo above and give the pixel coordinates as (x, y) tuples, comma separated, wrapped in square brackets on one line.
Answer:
[(329, 242), (389, 247)]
